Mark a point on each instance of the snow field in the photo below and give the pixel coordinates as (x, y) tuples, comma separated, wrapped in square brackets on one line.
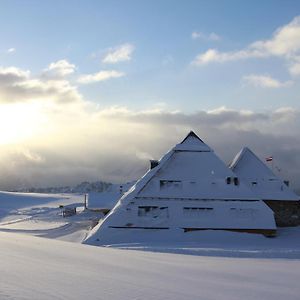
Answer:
[(36, 268)]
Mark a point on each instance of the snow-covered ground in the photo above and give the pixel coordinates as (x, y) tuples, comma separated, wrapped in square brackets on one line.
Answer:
[(224, 265), (226, 244), (38, 268), (40, 215)]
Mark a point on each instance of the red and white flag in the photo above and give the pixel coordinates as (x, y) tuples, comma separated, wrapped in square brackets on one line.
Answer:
[(269, 158)]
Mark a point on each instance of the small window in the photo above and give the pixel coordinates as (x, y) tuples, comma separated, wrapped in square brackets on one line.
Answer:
[(236, 181), (228, 180), (153, 211), (170, 184), (146, 210), (197, 211)]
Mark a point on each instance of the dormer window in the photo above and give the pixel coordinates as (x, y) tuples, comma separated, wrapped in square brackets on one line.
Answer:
[(236, 181)]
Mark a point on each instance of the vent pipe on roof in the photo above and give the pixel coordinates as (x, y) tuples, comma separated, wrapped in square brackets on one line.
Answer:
[(153, 163)]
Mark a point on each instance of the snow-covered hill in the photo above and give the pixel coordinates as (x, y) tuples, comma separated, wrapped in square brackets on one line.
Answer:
[(36, 268), (41, 215)]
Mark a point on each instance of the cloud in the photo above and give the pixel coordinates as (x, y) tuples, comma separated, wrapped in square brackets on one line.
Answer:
[(200, 35), (213, 55), (72, 143), (17, 85), (100, 76), (284, 43), (60, 68), (11, 50), (294, 66), (265, 81), (12, 74), (51, 135), (119, 54)]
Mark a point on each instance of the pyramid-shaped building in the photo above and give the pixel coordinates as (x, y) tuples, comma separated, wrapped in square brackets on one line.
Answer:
[(266, 185), (189, 189)]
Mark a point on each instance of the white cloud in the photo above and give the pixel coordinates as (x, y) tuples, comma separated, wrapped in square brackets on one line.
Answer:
[(100, 76), (17, 85), (213, 55), (200, 35), (119, 54), (11, 50), (83, 142), (50, 135), (60, 68), (265, 81), (284, 43), (12, 74), (294, 66), (55, 90)]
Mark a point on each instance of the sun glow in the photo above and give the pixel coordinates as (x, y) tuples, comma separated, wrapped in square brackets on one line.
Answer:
[(20, 122)]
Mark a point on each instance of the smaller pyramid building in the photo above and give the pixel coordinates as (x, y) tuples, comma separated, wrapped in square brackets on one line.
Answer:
[(266, 185), (188, 189)]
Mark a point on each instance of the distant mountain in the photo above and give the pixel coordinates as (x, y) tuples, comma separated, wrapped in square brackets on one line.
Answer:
[(81, 188)]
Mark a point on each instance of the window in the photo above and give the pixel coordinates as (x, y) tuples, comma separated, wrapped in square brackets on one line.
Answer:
[(153, 211), (236, 181), (197, 211), (170, 184)]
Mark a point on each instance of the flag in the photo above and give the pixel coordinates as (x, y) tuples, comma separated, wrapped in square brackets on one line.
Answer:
[(269, 158)]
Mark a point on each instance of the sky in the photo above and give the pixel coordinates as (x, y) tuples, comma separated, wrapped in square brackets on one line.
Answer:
[(91, 90)]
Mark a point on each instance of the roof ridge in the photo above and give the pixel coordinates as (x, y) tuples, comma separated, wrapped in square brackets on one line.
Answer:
[(191, 134)]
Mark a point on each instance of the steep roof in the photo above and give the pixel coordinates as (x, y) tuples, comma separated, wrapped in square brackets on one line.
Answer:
[(189, 170), (192, 170), (260, 178), (192, 143)]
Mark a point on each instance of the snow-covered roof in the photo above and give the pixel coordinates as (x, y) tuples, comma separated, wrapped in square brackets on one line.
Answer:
[(260, 178), (191, 170)]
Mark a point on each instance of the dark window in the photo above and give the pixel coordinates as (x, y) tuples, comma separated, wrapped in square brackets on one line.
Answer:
[(197, 211), (236, 181), (177, 184), (153, 211)]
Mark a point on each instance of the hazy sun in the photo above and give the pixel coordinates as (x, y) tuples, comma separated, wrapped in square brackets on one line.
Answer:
[(19, 122)]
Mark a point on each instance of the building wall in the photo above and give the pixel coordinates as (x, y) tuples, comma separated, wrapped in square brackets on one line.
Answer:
[(287, 213)]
